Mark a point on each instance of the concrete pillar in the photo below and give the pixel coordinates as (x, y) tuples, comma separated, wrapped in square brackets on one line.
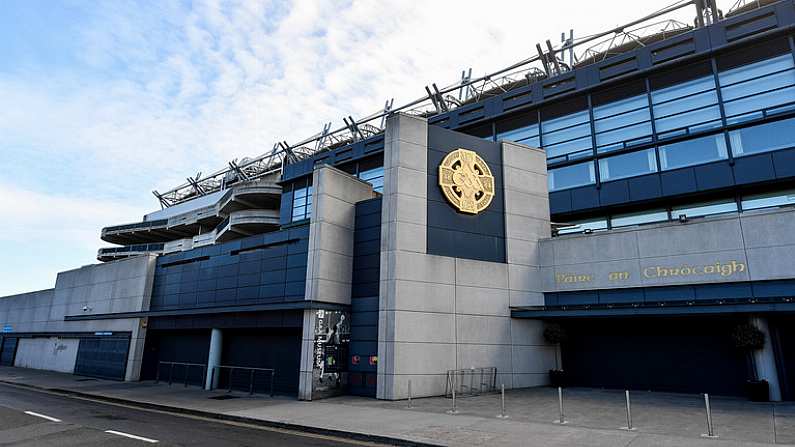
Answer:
[(765, 360), (213, 359)]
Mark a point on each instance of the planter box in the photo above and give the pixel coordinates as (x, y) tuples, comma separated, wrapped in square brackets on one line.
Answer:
[(557, 378), (757, 390)]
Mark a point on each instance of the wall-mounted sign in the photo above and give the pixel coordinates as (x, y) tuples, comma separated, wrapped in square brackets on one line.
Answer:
[(7, 329), (103, 334), (659, 272), (466, 181)]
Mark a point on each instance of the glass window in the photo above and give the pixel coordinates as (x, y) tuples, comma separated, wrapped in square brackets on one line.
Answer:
[(571, 176), (686, 107), (625, 220), (302, 203), (567, 134), (622, 123), (778, 198), (583, 225), (752, 88), (705, 209), (526, 135), (693, 152), (627, 165), (763, 137), (374, 177)]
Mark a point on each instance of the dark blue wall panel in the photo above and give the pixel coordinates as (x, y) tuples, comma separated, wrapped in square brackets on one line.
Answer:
[(455, 234), (266, 268), (727, 293), (364, 298)]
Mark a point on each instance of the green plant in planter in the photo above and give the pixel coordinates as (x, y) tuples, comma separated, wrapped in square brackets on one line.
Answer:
[(748, 337), (554, 334)]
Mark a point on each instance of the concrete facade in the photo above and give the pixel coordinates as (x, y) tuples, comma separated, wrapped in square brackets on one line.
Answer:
[(755, 245), (439, 313), (51, 353), (330, 259), (114, 287)]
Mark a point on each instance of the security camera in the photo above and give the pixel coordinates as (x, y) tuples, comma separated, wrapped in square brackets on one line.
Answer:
[(85, 308)]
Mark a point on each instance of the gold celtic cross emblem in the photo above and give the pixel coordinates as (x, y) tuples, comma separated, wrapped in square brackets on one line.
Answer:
[(466, 181)]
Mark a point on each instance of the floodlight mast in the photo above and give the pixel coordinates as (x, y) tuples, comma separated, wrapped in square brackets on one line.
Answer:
[(437, 100)]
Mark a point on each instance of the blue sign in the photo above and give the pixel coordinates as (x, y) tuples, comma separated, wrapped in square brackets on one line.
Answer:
[(8, 329), (103, 333)]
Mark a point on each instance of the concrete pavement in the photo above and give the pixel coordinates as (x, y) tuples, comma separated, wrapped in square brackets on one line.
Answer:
[(595, 416)]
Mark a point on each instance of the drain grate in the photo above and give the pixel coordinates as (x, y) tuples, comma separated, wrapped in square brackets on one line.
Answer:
[(85, 380), (224, 397)]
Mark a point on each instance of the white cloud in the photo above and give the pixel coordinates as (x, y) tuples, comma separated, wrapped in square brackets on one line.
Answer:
[(161, 92)]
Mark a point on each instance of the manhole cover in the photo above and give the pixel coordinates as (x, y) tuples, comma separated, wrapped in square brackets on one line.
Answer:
[(224, 397)]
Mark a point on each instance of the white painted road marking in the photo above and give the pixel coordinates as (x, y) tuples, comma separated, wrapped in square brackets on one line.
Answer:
[(127, 435), (43, 416)]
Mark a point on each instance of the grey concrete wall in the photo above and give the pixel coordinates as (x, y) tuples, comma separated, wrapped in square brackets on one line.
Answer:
[(51, 353), (330, 259), (755, 245), (440, 313), (113, 287)]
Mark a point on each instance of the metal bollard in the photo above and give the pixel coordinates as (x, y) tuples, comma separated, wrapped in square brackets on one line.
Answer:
[(562, 419), (629, 413), (453, 410), (409, 407), (502, 414), (710, 429)]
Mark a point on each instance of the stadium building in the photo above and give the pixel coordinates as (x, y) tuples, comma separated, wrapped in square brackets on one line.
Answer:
[(617, 209)]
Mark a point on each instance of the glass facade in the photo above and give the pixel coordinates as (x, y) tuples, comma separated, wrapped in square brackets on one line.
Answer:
[(568, 135), (626, 220), (767, 200), (374, 177), (693, 152), (622, 123), (584, 225), (302, 203), (628, 165), (705, 209), (751, 90), (571, 176), (528, 135), (684, 108), (763, 137)]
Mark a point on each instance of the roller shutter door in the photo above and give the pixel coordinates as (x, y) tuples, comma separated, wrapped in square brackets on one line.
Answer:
[(103, 357), (689, 355), (8, 348)]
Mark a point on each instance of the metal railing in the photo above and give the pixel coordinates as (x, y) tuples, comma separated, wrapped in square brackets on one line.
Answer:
[(549, 62), (471, 381), (186, 371), (252, 372), (131, 248), (136, 226)]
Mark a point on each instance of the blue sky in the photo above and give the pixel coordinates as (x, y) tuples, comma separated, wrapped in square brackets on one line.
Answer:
[(103, 102)]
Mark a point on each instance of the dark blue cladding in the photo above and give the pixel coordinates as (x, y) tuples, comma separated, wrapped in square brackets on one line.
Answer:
[(263, 269), (696, 298), (455, 234), (364, 298)]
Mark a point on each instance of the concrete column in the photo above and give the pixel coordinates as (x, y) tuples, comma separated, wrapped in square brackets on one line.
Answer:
[(765, 360), (213, 359), (307, 355)]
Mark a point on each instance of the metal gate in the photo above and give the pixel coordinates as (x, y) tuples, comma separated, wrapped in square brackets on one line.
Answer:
[(103, 357), (8, 350)]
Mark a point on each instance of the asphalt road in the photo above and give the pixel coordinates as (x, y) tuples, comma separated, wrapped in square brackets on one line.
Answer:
[(34, 418)]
